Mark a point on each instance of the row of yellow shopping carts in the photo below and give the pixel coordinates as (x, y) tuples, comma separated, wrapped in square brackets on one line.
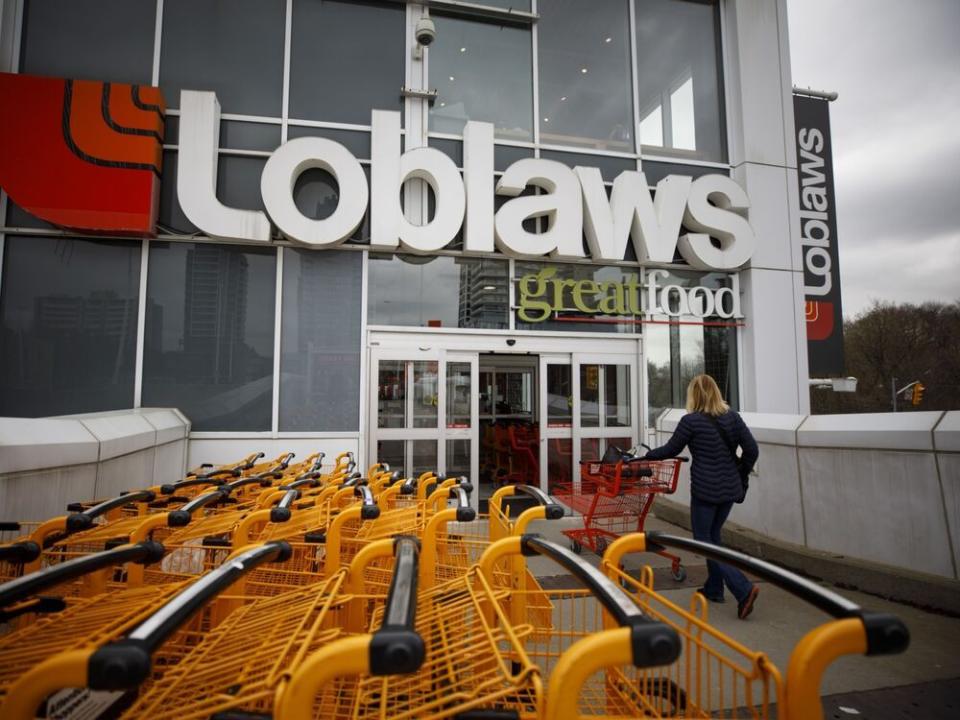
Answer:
[(292, 590)]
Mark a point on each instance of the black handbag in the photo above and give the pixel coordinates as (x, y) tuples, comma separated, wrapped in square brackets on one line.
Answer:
[(742, 470)]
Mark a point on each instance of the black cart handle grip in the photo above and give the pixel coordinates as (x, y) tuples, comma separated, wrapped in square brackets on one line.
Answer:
[(20, 552), (172, 488), (32, 583), (653, 643), (396, 647), (553, 510)]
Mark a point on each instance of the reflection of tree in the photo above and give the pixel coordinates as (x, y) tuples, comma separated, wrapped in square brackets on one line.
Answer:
[(907, 342)]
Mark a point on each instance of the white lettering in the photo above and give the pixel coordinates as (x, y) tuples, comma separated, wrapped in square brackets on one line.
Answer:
[(712, 211)]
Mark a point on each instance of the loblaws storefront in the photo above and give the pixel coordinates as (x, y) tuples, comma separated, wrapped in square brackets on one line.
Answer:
[(496, 255)]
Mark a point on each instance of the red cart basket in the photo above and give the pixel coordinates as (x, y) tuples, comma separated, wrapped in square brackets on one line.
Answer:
[(614, 498)]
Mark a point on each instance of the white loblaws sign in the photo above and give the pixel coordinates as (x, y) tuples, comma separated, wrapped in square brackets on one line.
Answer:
[(574, 201)]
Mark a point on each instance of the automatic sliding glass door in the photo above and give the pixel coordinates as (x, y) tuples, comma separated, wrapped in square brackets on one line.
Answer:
[(423, 412)]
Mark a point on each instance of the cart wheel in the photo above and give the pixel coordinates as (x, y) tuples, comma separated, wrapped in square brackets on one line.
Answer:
[(680, 574), (601, 546), (576, 547)]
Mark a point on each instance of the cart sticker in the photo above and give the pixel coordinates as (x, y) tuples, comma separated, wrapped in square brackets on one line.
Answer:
[(86, 704)]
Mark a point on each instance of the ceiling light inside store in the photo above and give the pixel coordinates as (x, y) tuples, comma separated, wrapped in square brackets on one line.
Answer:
[(563, 98), (609, 39), (583, 70), (489, 287), (546, 119), (463, 49), (443, 104), (452, 78)]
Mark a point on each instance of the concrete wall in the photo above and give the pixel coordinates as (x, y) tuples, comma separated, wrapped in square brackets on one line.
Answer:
[(46, 463), (878, 487)]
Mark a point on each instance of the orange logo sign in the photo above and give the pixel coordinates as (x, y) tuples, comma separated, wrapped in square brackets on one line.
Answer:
[(83, 155), (819, 319)]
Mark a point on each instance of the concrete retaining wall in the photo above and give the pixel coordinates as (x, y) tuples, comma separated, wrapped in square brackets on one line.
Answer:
[(884, 488), (46, 463)]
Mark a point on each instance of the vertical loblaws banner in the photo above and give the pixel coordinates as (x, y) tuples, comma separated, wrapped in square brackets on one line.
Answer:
[(818, 229)]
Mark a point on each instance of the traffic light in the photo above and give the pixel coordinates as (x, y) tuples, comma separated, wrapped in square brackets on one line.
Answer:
[(917, 396)]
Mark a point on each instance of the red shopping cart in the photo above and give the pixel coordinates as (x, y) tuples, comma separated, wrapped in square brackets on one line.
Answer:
[(613, 496)]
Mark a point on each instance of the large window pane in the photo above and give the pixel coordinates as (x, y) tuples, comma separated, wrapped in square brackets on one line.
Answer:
[(346, 59), (616, 390), (590, 395), (559, 396), (320, 341), (438, 292), (209, 333), (585, 84), (425, 393), (108, 40), (482, 72), (678, 79), (458, 394), (233, 47), (392, 394), (68, 325)]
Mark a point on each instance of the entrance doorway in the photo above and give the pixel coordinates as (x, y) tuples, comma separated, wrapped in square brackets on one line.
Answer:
[(500, 418)]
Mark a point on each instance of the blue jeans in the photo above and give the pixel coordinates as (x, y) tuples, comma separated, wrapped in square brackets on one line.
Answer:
[(707, 519)]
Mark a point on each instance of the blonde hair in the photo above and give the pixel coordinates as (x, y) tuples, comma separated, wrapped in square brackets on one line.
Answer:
[(704, 396)]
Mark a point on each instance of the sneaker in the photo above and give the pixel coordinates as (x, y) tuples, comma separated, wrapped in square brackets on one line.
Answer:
[(745, 606), (711, 598)]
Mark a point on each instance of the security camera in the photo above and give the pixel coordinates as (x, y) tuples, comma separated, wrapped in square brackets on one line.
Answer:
[(426, 31)]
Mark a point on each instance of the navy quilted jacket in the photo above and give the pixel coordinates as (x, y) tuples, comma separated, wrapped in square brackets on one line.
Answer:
[(713, 473)]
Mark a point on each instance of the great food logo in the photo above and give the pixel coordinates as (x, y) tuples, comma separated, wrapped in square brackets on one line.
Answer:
[(83, 155)]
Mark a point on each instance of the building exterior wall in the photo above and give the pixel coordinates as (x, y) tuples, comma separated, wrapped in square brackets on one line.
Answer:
[(250, 387)]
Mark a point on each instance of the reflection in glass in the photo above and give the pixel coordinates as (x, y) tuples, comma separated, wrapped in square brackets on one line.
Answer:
[(425, 392), (320, 341), (590, 449), (584, 72), (657, 350), (678, 79), (458, 394), (345, 59), (458, 458), (616, 391), (392, 394), (209, 333), (590, 396), (393, 453), (233, 47), (559, 462), (68, 325), (559, 396), (424, 456), (482, 72), (624, 443), (438, 292), (89, 40)]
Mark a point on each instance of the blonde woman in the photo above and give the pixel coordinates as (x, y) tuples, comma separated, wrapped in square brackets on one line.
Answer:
[(713, 432)]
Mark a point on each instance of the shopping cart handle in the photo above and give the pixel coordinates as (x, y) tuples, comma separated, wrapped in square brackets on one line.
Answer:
[(409, 486), (171, 488), (465, 513), (30, 584), (282, 513), (126, 663), (552, 509), (181, 517), (308, 479), (652, 642), (9, 526), (43, 604), (396, 647), (369, 510), (20, 552), (316, 465), (82, 520), (886, 634), (464, 482)]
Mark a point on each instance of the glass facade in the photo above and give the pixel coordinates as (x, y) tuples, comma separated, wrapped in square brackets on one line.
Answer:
[(208, 346), (68, 325), (215, 342)]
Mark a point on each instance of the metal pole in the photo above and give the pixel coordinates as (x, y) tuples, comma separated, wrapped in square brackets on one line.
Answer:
[(893, 389)]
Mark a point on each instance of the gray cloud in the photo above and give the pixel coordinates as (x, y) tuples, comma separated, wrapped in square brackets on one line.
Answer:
[(896, 147)]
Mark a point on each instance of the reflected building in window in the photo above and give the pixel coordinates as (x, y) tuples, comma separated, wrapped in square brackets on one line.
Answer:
[(484, 295)]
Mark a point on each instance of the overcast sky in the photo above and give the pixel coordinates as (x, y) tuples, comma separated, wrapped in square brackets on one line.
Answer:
[(896, 140)]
